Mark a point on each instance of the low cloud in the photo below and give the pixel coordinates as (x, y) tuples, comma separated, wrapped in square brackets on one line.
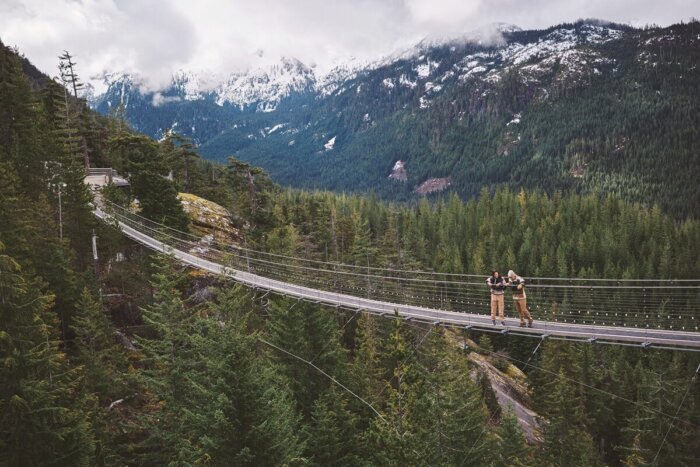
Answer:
[(154, 38), (159, 99), (148, 36)]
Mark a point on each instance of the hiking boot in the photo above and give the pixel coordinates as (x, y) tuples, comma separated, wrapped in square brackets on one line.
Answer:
[(529, 324), (522, 325), (503, 323), (494, 321)]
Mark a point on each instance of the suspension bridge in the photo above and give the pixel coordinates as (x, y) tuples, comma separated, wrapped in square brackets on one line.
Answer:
[(636, 312)]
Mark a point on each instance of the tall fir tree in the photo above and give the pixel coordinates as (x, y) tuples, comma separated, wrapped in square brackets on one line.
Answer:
[(449, 417), (566, 441), (333, 433), (309, 332), (42, 414), (511, 449)]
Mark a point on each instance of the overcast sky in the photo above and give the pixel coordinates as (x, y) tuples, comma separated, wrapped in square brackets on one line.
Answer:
[(156, 37)]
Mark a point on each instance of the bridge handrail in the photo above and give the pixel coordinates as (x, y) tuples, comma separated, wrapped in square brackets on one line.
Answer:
[(649, 309), (364, 274), (603, 332), (616, 281)]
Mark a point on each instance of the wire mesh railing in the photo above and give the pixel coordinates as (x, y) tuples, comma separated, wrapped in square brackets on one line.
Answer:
[(669, 304)]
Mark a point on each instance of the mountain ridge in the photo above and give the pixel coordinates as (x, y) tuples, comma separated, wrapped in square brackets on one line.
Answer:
[(263, 89), (452, 108)]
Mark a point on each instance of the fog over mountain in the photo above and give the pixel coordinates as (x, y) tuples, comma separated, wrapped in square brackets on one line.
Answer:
[(564, 108), (155, 38)]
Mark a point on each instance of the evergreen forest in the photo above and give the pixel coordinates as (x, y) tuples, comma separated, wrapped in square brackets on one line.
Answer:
[(132, 359)]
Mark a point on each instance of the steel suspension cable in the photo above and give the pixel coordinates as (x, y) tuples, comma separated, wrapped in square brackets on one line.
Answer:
[(237, 247), (663, 441), (438, 293)]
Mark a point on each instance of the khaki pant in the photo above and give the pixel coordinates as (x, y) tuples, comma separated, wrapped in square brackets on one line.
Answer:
[(498, 305), (521, 308)]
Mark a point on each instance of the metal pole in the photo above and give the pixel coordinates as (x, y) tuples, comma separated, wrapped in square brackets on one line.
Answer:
[(60, 214), (398, 240), (94, 245), (368, 281), (245, 244), (95, 261)]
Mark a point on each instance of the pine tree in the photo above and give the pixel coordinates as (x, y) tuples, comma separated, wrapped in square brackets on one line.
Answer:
[(449, 417), (333, 435), (633, 453), (168, 357), (216, 400), (147, 176), (284, 240), (362, 252), (367, 371), (390, 438), (241, 409), (42, 418), (65, 172), (105, 379), (251, 191), (511, 448), (103, 361), (181, 157), (72, 83), (566, 441), (309, 332)]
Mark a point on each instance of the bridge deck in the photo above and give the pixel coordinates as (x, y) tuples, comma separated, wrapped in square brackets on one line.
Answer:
[(641, 336)]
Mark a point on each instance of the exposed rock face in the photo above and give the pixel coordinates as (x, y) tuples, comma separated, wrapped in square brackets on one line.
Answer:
[(433, 185), (330, 144), (124, 341), (508, 383), (511, 392), (398, 172), (210, 221)]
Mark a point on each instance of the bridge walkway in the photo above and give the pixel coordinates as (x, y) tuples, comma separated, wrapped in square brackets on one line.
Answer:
[(644, 337)]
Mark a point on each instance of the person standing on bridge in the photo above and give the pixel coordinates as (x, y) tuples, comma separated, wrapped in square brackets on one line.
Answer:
[(498, 289), (517, 285)]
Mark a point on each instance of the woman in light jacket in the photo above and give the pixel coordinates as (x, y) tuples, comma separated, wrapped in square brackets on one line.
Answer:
[(517, 285)]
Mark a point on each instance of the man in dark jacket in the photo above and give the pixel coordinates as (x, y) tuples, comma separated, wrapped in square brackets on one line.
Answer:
[(498, 288)]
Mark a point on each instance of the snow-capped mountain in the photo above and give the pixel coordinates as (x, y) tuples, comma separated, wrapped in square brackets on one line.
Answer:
[(260, 89), (265, 88), (443, 108), (434, 62), (196, 102), (200, 104)]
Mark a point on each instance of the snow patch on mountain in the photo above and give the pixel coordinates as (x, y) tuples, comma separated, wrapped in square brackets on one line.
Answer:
[(424, 70), (557, 42), (263, 88), (404, 81), (562, 46), (398, 172), (274, 128), (192, 86), (431, 87), (342, 73), (266, 87)]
